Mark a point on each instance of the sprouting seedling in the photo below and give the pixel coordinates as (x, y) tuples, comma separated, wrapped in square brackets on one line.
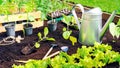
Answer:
[(66, 20), (37, 45), (69, 20), (73, 40), (115, 29), (67, 35), (44, 38)]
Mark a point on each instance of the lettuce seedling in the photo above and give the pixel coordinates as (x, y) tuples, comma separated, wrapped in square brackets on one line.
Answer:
[(66, 35), (44, 38), (115, 29)]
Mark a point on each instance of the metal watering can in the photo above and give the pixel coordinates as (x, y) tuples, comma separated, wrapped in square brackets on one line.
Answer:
[(90, 29)]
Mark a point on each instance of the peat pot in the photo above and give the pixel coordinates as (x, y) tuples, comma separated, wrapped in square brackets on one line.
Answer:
[(10, 29)]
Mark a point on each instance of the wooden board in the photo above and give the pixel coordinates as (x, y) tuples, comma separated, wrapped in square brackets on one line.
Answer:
[(19, 27), (19, 17)]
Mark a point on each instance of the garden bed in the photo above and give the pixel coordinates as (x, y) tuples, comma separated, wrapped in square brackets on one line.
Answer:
[(12, 52)]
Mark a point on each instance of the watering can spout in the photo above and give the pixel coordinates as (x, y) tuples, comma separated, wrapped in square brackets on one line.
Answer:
[(105, 27)]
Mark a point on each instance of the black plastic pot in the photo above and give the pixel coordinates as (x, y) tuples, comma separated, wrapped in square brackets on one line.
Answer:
[(52, 26), (28, 29), (10, 29)]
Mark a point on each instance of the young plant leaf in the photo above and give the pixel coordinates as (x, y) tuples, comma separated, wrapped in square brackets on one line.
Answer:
[(46, 31), (37, 45), (64, 29), (66, 34), (117, 32), (39, 36), (66, 19), (112, 29), (50, 39), (73, 40), (118, 23)]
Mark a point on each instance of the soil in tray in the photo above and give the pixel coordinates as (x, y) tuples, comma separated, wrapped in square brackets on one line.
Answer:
[(12, 52)]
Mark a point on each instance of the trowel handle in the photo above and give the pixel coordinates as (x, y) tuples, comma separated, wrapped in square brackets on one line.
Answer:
[(75, 15), (52, 55), (48, 52)]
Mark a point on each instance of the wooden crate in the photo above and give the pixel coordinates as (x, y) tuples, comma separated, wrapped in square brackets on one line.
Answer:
[(21, 17)]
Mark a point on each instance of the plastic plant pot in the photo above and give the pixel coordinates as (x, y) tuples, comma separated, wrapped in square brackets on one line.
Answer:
[(52, 25), (10, 29), (28, 29)]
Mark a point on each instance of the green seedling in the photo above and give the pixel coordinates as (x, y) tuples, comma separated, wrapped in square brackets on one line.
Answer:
[(37, 45), (115, 29), (70, 21), (73, 40), (67, 35), (45, 38)]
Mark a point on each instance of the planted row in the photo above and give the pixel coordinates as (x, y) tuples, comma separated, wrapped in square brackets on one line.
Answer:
[(86, 57)]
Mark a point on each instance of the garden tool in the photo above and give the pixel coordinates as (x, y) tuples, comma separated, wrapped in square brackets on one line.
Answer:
[(10, 40), (53, 45), (63, 48), (90, 26)]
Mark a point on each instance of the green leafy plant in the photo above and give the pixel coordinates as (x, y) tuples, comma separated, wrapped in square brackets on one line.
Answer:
[(29, 7), (44, 38), (115, 29), (37, 45), (86, 57), (44, 7), (5, 10), (67, 35), (70, 21)]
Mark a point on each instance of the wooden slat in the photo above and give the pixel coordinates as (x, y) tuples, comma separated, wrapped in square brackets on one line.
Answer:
[(19, 17), (19, 27)]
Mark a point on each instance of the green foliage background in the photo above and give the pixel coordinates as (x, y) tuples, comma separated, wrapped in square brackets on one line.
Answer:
[(105, 5)]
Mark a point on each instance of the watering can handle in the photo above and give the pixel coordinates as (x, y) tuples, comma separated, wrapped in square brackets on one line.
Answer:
[(74, 13)]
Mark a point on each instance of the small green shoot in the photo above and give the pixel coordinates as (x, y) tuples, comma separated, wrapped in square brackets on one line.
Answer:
[(44, 38), (73, 40), (50, 39), (46, 31), (37, 45), (115, 29), (67, 35), (23, 33), (39, 36)]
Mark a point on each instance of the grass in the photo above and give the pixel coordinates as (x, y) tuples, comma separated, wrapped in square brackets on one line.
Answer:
[(106, 5)]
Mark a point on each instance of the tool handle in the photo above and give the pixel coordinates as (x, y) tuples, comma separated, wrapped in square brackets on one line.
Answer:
[(52, 55), (48, 52)]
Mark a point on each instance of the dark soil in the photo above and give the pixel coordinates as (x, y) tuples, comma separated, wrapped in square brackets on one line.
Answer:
[(12, 52)]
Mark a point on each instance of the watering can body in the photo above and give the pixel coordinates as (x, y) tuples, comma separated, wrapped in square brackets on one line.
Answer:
[(90, 26)]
